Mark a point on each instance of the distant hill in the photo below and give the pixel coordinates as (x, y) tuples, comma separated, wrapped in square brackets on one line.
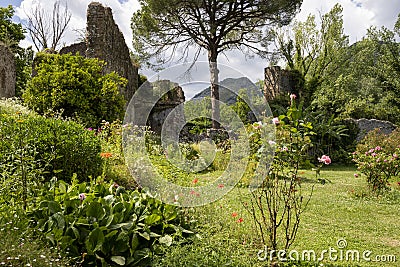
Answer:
[(228, 89)]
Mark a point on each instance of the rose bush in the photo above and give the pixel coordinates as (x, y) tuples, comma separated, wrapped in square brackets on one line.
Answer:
[(377, 157)]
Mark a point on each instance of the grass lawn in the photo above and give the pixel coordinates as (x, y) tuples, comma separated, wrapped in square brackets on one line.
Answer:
[(339, 210)]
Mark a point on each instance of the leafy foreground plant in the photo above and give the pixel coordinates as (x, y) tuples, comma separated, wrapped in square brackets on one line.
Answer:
[(104, 224)]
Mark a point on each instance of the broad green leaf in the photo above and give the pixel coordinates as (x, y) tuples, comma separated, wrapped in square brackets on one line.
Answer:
[(152, 219), (134, 243), (125, 226), (118, 260), (111, 234), (121, 244), (170, 213), (142, 254), (95, 210), (59, 218), (94, 241), (53, 207)]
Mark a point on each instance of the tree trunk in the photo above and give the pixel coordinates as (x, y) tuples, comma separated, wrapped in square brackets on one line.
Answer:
[(215, 113)]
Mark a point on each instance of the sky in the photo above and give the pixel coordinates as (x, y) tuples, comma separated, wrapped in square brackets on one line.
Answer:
[(358, 16)]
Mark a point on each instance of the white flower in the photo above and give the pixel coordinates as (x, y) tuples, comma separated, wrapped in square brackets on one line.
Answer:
[(272, 143)]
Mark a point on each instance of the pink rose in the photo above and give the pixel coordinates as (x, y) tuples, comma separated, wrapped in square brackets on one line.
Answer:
[(325, 159)]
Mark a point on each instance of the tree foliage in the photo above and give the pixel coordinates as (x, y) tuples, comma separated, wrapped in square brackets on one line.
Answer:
[(164, 27), (75, 87), (361, 80), (316, 52), (10, 33), (369, 85)]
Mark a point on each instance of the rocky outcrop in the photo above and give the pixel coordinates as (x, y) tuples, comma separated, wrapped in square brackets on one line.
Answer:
[(7, 72)]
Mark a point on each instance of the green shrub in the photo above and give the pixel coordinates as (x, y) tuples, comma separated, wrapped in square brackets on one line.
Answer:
[(104, 224), (61, 147), (377, 157), (75, 87)]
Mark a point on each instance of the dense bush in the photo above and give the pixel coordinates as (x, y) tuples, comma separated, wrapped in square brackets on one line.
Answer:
[(60, 147), (104, 224), (377, 157), (75, 87)]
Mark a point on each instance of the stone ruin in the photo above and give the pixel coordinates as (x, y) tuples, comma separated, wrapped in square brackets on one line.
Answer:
[(7, 72), (105, 41), (168, 102), (278, 81)]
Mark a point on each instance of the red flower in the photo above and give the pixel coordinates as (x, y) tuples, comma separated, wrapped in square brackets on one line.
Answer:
[(195, 181), (234, 214), (106, 155), (220, 186), (240, 220)]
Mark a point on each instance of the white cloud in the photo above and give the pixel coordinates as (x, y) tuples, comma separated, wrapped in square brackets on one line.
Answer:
[(358, 15)]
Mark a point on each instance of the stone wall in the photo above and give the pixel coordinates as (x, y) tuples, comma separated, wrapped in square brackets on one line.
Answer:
[(7, 72), (367, 125), (105, 41)]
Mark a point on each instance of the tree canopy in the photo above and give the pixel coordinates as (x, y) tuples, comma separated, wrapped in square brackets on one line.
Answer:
[(361, 80), (10, 33), (316, 52)]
